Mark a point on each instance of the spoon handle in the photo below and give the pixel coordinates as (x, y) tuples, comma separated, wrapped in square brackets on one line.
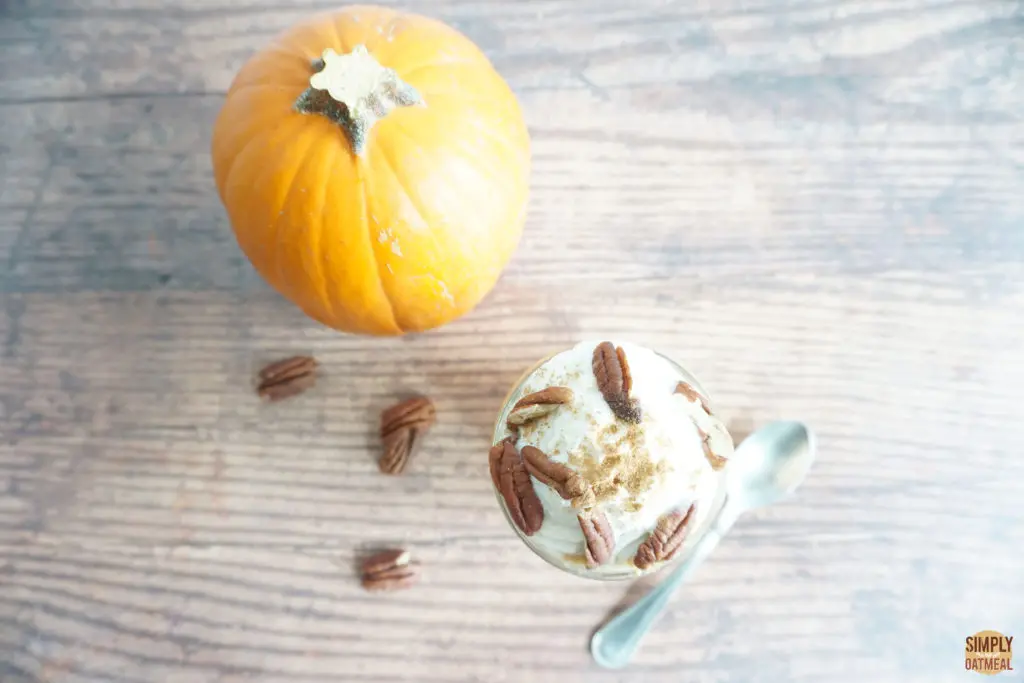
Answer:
[(614, 644)]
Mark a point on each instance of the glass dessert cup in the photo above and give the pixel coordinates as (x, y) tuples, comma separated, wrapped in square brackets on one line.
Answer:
[(705, 512)]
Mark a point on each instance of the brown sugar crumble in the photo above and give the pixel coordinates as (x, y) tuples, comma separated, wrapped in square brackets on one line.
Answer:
[(624, 465)]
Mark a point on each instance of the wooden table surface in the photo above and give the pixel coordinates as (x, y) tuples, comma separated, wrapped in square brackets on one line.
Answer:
[(817, 206)]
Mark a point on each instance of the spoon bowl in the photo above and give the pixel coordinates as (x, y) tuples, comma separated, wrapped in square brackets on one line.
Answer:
[(769, 465)]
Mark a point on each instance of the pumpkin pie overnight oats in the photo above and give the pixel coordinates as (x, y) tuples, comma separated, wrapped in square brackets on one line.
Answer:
[(607, 460)]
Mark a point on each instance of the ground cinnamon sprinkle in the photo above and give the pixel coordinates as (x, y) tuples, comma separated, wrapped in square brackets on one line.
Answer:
[(625, 465)]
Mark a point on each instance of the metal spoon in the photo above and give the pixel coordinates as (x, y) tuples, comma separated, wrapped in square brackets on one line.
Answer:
[(769, 465)]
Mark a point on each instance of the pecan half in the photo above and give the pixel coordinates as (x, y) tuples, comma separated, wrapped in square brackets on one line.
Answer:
[(611, 370), (513, 483), (717, 462), (402, 427), (389, 570), (597, 532), (494, 458), (666, 539), (564, 480), (287, 377), (538, 404), (692, 394), (494, 461)]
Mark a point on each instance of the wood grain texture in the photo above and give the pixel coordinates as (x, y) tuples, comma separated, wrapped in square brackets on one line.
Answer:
[(816, 206)]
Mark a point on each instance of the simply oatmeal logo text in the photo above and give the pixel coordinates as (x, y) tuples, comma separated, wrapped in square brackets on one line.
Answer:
[(988, 653)]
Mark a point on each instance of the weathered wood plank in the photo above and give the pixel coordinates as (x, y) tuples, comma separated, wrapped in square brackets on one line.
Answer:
[(120, 193)]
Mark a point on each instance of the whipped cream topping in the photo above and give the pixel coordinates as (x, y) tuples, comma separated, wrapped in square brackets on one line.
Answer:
[(638, 472)]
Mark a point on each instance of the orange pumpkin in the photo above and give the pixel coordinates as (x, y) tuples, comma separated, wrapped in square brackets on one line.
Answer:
[(374, 167)]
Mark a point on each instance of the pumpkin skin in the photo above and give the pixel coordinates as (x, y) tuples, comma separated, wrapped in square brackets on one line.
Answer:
[(412, 231)]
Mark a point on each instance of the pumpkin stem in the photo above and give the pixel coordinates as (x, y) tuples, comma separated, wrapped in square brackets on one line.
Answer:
[(354, 91)]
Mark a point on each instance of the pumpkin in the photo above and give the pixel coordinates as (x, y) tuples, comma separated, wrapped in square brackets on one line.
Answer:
[(374, 167)]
